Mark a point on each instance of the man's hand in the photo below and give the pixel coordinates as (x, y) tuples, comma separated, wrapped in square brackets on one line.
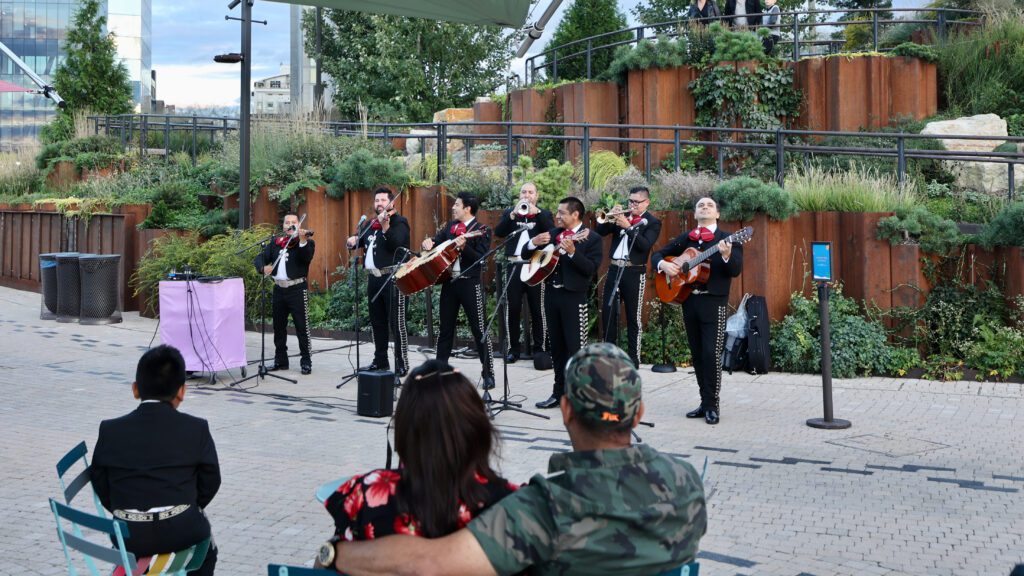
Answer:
[(622, 221), (268, 269), (568, 245), (351, 242), (460, 241), (386, 223), (542, 239), (725, 248), (670, 269), (534, 209), (427, 244)]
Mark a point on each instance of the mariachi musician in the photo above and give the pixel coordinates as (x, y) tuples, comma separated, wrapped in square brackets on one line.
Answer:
[(286, 260), (464, 288), (523, 222), (704, 311), (634, 233), (382, 247), (567, 287)]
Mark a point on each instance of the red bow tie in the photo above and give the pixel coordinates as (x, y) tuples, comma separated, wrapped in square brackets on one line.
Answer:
[(702, 234), (375, 225), (458, 229), (635, 221), (282, 241), (529, 216)]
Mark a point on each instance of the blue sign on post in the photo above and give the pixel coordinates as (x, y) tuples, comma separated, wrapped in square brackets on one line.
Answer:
[(821, 258)]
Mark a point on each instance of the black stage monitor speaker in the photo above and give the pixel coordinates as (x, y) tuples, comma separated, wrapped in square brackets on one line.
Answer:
[(376, 393)]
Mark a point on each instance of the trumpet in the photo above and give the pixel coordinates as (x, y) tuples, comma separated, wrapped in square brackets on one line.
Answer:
[(522, 209), (601, 216)]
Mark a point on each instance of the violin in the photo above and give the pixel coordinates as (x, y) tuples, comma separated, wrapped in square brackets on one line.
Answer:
[(292, 240)]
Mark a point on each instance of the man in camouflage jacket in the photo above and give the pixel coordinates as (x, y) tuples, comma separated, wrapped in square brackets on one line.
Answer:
[(608, 507)]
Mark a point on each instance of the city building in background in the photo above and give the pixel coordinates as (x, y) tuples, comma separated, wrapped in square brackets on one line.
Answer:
[(272, 95), (303, 68), (36, 31)]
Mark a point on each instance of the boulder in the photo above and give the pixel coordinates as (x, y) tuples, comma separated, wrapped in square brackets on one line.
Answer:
[(988, 177), (413, 143), (454, 115)]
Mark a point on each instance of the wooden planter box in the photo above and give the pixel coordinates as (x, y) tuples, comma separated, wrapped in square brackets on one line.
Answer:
[(1014, 261), (264, 210), (913, 86), (487, 112), (659, 96), (590, 103), (62, 176), (530, 105)]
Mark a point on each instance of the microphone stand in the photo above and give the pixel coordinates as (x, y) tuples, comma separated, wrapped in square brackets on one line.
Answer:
[(495, 407), (354, 262), (613, 305), (261, 371)]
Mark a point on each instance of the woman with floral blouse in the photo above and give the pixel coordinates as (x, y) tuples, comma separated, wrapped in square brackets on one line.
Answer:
[(444, 439)]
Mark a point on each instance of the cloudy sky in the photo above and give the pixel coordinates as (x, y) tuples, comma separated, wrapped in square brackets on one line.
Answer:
[(188, 33)]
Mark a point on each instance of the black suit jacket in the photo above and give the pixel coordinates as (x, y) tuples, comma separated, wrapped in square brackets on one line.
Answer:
[(155, 456), (751, 7), (577, 272), (297, 263), (643, 238), (722, 272), (542, 222), (474, 249), (385, 249)]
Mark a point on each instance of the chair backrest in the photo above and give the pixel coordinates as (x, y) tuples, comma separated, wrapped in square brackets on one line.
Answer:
[(73, 540), (283, 570), (71, 488), (691, 569)]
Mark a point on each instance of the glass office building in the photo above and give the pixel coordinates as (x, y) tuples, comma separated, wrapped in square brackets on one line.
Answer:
[(36, 31)]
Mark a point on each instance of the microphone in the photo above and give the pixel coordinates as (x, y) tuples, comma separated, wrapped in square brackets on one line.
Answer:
[(361, 220), (410, 252), (642, 222)]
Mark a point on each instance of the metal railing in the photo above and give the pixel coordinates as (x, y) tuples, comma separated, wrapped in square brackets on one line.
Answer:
[(513, 137), (801, 25)]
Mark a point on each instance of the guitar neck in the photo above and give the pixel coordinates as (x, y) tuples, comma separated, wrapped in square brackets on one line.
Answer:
[(705, 255)]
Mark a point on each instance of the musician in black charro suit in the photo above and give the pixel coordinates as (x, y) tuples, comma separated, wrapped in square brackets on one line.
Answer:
[(465, 288), (704, 312), (388, 233), (522, 227), (567, 287), (634, 235)]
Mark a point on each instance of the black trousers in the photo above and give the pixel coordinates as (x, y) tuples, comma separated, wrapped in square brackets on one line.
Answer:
[(514, 310), (568, 319), (387, 313), (468, 294), (631, 294), (172, 535), (704, 318), (293, 301)]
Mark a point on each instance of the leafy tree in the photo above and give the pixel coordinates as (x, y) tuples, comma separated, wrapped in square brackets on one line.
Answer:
[(405, 69), (584, 19), (657, 11), (91, 78)]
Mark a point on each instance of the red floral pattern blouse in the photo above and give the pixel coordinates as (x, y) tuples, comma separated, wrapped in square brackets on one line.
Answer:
[(365, 506)]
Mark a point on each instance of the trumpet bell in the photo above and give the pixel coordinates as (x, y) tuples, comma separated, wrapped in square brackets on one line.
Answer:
[(522, 209)]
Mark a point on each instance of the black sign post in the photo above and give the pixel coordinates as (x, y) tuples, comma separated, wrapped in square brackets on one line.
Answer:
[(821, 255)]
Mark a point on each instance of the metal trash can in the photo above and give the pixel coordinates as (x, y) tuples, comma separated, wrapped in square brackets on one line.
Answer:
[(101, 288), (69, 299), (48, 285)]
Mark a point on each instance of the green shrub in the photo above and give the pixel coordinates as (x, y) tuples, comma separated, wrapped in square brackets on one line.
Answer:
[(1007, 228), (489, 186), (604, 165), (362, 170), (996, 352), (689, 157), (664, 53), (981, 68), (859, 346), (677, 348), (553, 181), (735, 46), (920, 51), (739, 199), (1015, 125), (681, 190), (917, 225), (175, 205), (856, 189), (69, 149)]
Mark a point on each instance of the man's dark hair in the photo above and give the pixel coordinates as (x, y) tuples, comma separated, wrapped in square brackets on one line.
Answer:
[(469, 201), (287, 214), (574, 204), (384, 190), (640, 190), (160, 373)]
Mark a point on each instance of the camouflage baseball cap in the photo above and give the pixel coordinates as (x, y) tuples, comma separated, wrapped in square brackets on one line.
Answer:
[(602, 385)]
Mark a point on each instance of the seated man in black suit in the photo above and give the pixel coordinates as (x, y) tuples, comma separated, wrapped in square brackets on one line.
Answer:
[(156, 468)]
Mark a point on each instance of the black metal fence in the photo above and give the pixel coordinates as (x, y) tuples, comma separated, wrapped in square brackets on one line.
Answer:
[(800, 27), (780, 143)]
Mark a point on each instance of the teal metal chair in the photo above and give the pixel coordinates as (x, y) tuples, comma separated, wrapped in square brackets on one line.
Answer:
[(71, 488), (125, 563), (691, 569), (282, 570)]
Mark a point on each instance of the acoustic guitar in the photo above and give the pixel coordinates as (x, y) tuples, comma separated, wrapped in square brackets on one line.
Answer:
[(430, 268), (544, 261), (694, 269)]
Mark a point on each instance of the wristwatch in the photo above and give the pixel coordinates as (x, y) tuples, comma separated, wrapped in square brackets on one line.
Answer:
[(326, 555)]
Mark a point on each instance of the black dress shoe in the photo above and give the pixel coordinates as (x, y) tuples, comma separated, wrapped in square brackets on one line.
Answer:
[(551, 402), (512, 357), (374, 367), (698, 413), (488, 383), (275, 367), (307, 369), (711, 417), (401, 371)]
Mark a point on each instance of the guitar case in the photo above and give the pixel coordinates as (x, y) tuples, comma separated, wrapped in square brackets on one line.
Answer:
[(759, 354)]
